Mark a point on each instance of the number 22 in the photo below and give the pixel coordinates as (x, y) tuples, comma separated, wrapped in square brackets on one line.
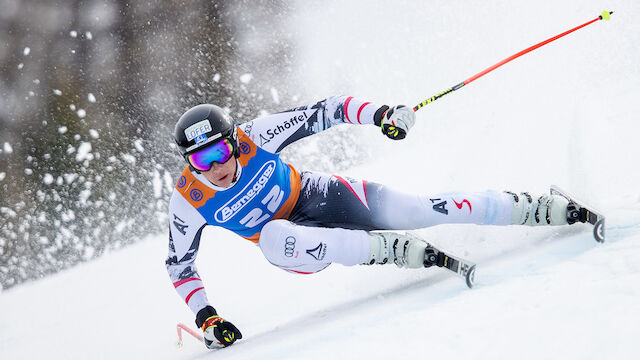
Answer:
[(272, 200)]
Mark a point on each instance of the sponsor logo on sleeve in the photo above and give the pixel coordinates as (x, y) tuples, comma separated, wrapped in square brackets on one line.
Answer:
[(247, 128), (284, 126), (179, 225)]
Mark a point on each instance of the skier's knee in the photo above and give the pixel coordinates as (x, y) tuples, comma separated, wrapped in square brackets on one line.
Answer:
[(273, 241)]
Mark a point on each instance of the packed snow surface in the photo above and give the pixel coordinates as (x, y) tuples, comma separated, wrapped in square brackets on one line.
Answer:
[(564, 114)]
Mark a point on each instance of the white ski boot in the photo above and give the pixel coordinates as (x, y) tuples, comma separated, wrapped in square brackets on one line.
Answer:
[(404, 250), (545, 210)]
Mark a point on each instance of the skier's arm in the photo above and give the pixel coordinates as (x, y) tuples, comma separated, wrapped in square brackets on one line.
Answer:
[(276, 131), (185, 231)]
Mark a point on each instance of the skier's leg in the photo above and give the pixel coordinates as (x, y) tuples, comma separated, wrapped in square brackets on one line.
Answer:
[(335, 201), (305, 249)]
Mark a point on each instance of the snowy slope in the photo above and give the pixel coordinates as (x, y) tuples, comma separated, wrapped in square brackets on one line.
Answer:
[(565, 114)]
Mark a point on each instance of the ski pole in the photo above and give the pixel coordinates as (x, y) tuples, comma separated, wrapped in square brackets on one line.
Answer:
[(604, 16), (184, 327)]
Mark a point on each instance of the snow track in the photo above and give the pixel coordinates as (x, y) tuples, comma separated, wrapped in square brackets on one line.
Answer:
[(566, 295)]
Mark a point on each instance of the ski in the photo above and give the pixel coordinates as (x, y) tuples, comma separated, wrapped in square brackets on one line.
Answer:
[(465, 269), (578, 211)]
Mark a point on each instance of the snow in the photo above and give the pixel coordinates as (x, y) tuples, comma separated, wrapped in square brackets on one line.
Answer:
[(26, 51), (73, 34), (47, 179), (129, 158), (88, 35), (62, 129), (94, 133), (84, 152), (91, 98), (70, 177), (81, 113), (57, 92), (274, 95), (246, 78), (138, 145), (157, 184), (84, 196), (7, 148), (549, 117)]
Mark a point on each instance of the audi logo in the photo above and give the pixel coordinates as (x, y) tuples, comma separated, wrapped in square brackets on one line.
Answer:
[(289, 246)]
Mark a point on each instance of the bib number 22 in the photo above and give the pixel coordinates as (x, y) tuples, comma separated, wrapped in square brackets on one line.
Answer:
[(258, 215)]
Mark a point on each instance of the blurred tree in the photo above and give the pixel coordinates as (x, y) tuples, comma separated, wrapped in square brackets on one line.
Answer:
[(89, 94)]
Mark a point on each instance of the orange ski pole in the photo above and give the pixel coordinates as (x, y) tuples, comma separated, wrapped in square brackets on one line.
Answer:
[(604, 16)]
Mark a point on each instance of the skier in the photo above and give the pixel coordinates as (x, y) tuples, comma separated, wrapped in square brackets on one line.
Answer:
[(304, 221)]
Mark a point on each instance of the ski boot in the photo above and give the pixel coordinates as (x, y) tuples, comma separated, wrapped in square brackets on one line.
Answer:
[(404, 250), (557, 208), (412, 252)]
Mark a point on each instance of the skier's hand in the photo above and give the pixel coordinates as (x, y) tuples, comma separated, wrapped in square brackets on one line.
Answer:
[(217, 331), (397, 121)]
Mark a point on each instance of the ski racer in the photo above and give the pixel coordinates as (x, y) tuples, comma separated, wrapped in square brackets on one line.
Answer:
[(303, 220)]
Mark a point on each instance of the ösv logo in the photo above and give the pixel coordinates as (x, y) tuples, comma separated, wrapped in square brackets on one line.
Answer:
[(248, 193)]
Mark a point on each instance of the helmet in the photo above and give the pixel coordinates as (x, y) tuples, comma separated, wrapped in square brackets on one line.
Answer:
[(204, 125)]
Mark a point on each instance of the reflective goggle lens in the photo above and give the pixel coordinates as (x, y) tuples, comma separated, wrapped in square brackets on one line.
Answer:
[(219, 152)]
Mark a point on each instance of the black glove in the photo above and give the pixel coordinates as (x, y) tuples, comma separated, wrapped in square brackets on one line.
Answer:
[(217, 331), (395, 122)]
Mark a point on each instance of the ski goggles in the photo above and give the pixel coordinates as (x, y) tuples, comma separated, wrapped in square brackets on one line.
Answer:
[(219, 152)]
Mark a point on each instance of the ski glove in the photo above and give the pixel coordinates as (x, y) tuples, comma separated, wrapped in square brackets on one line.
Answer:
[(395, 122), (217, 331)]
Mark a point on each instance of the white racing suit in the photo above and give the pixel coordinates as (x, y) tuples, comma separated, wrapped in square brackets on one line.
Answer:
[(305, 221)]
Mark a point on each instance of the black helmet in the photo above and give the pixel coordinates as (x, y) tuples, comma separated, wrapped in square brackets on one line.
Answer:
[(204, 125)]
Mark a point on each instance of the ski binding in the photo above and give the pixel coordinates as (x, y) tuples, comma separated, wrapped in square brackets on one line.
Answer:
[(463, 268), (577, 211)]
